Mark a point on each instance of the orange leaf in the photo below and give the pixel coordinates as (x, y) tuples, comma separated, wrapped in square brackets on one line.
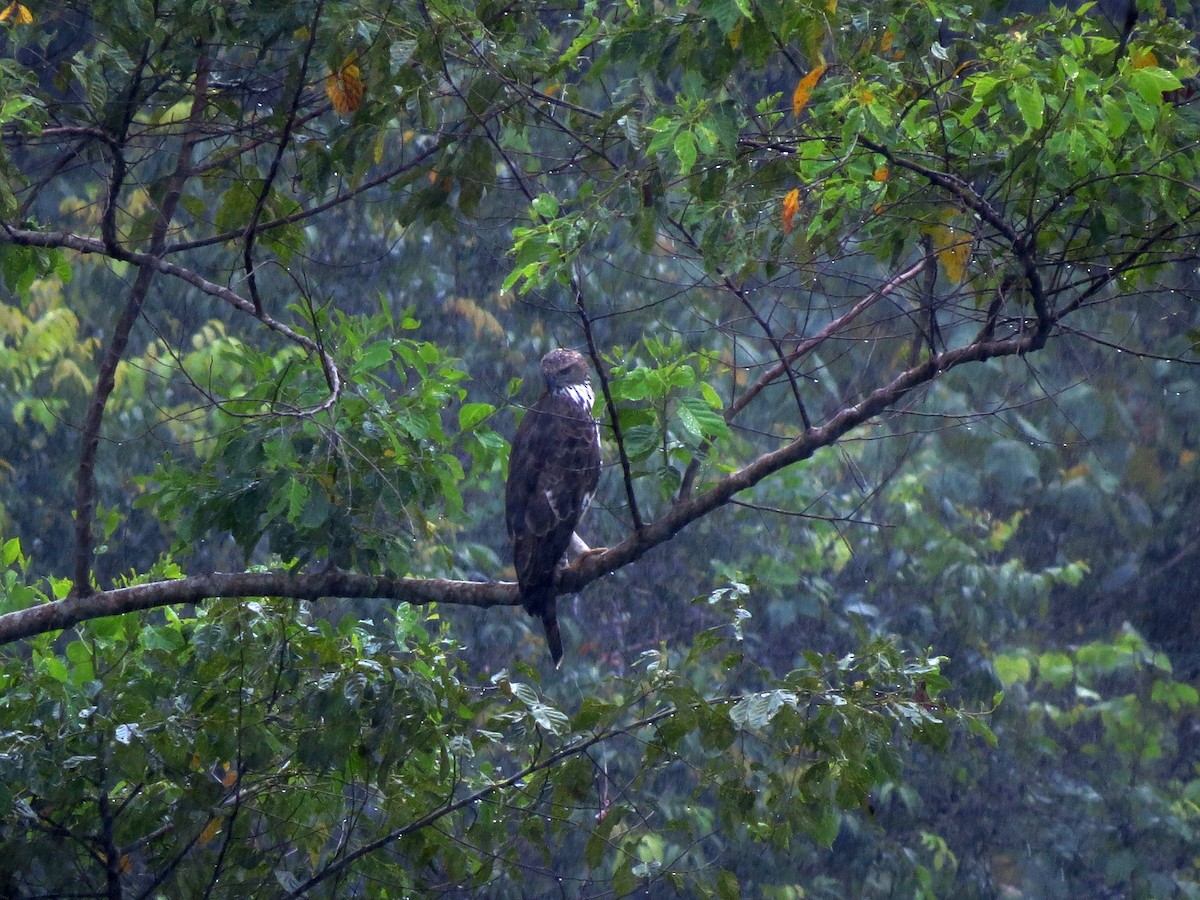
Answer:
[(880, 174), (805, 88), (344, 88), (791, 203), (19, 14), (885, 42)]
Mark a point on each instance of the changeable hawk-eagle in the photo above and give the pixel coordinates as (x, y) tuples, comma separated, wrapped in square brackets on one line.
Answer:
[(552, 475)]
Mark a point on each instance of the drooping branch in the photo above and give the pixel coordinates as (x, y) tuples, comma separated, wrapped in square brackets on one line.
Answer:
[(635, 514), (273, 171), (579, 746)]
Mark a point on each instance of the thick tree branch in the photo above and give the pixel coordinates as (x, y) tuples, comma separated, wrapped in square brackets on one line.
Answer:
[(72, 611), (76, 609)]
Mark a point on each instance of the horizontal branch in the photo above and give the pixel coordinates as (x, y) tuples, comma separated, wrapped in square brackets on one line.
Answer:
[(60, 614)]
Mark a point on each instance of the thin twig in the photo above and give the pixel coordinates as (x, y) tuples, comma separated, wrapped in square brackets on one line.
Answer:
[(609, 403)]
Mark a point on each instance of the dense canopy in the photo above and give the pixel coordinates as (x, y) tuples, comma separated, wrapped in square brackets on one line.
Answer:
[(890, 312)]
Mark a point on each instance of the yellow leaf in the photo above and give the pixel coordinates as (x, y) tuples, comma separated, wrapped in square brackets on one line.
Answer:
[(344, 88), (885, 42), (1079, 470), (1187, 457), (953, 248), (805, 88), (19, 14), (211, 830), (735, 36), (1143, 60), (791, 203), (230, 777), (486, 325)]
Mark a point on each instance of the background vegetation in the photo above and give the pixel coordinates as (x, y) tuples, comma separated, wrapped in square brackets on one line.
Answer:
[(891, 310)]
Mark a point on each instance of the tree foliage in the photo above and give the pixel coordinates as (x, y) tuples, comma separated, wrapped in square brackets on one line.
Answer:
[(856, 281)]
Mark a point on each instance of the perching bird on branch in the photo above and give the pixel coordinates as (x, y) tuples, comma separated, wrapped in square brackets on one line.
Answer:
[(552, 474)]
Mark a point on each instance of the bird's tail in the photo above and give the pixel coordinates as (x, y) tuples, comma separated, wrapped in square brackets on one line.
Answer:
[(542, 605)]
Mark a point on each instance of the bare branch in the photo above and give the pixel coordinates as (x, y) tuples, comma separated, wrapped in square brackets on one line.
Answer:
[(1023, 246), (808, 344), (66, 613)]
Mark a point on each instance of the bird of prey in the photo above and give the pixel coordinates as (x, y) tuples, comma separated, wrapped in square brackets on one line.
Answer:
[(552, 474)]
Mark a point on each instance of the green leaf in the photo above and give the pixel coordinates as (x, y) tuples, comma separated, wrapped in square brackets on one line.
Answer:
[(377, 355), (545, 206), (297, 497), (979, 728), (726, 13), (685, 151), (710, 422), (1056, 668), (471, 414), (1030, 102), (983, 87), (1012, 669), (727, 886), (824, 828), (1151, 82), (687, 420)]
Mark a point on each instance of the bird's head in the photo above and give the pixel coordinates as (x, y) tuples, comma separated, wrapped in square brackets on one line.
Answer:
[(563, 368)]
